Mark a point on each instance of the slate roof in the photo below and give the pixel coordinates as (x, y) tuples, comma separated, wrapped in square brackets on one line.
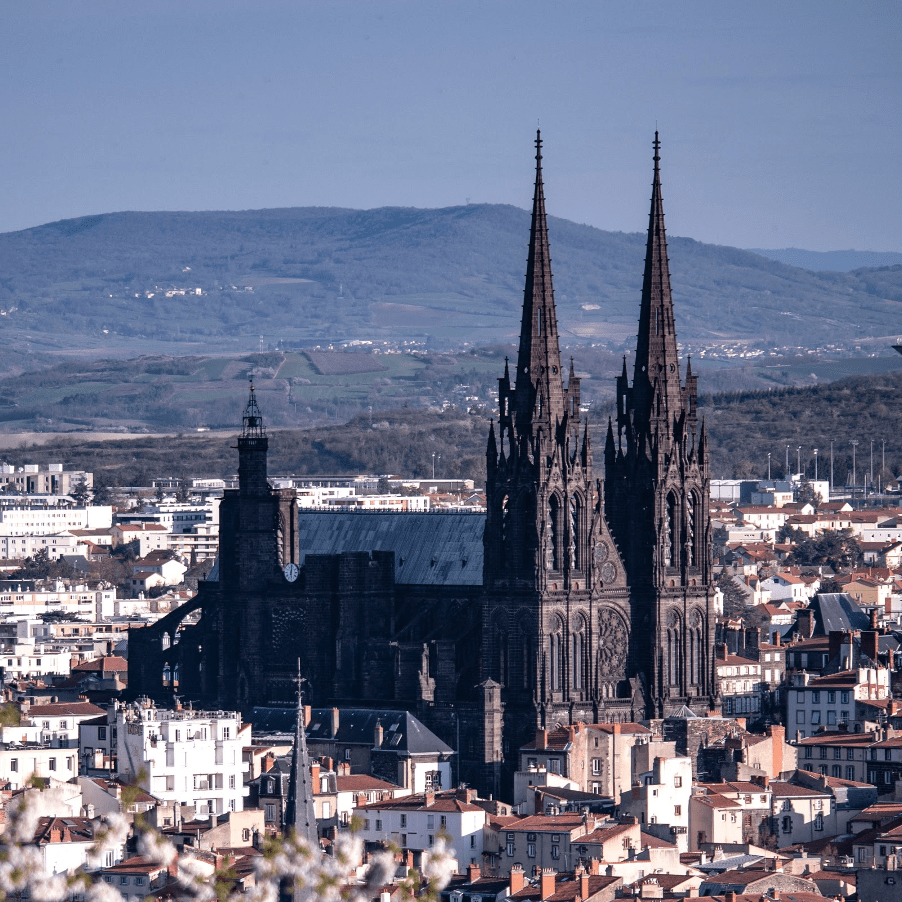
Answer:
[(431, 549), (401, 731), (838, 611)]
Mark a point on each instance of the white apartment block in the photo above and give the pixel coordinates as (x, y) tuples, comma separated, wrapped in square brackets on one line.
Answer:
[(414, 822), (45, 520), (740, 684), (52, 479), (189, 757), (32, 598), (662, 803), (191, 529), (25, 659), (18, 763), (15, 548), (55, 724), (813, 702)]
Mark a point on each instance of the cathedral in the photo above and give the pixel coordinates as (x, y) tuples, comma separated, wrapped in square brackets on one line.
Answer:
[(578, 596)]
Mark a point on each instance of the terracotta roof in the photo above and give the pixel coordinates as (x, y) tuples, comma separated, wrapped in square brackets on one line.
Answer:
[(570, 889), (716, 801), (106, 664), (418, 803), (136, 865), (65, 709), (790, 789), (623, 728), (362, 783), (603, 834), (68, 829), (647, 840), (545, 822), (836, 738)]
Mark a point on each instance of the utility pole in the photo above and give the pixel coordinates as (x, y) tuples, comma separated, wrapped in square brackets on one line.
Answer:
[(855, 444)]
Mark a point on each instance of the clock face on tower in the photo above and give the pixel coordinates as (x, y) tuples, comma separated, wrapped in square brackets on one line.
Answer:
[(291, 572)]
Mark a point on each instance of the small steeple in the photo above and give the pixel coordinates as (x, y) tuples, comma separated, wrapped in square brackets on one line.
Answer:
[(539, 384), (253, 445), (657, 370), (299, 814), (252, 421)]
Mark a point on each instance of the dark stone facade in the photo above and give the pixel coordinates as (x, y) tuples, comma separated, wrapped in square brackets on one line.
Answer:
[(595, 597)]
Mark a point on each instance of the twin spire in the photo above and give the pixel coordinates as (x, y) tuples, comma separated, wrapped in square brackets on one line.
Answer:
[(656, 379), (539, 357)]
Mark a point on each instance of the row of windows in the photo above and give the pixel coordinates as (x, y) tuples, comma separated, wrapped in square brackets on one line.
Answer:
[(816, 717), (816, 696), (51, 764)]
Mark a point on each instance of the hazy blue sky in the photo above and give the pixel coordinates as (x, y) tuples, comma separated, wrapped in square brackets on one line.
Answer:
[(780, 121)]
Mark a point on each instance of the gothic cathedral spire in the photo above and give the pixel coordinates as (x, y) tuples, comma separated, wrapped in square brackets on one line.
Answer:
[(539, 358), (657, 488), (656, 378)]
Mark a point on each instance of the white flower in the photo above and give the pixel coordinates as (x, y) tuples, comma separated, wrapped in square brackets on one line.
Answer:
[(109, 838)]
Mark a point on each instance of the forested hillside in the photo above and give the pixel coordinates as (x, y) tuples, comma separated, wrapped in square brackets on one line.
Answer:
[(742, 428), (124, 284)]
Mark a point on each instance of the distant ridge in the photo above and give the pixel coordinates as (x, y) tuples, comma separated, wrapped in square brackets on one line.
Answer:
[(830, 261), (121, 284)]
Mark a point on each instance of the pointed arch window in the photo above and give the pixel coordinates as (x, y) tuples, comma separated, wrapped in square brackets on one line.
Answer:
[(555, 539), (671, 533), (505, 527), (527, 658), (576, 553), (579, 657), (693, 511), (555, 660), (539, 321)]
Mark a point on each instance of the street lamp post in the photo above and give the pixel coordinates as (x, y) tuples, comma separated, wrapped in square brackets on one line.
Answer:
[(831, 466), (815, 464), (787, 462), (768, 466), (799, 461), (854, 475), (871, 474)]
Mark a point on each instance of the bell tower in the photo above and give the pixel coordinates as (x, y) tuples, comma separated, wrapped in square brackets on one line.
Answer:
[(656, 463)]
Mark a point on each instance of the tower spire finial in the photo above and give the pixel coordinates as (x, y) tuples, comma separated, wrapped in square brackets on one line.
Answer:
[(252, 421)]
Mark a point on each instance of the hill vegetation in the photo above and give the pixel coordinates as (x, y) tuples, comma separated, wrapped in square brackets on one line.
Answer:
[(742, 428), (126, 284)]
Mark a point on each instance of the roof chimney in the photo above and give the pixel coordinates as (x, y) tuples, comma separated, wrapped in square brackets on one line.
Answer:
[(517, 879), (474, 872), (778, 639), (377, 735), (546, 883), (584, 886), (334, 722), (541, 739)]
